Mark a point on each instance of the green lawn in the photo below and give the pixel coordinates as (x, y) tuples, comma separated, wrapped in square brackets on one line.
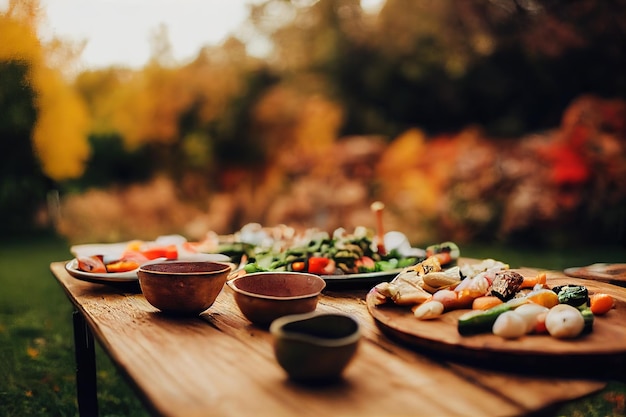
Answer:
[(36, 341)]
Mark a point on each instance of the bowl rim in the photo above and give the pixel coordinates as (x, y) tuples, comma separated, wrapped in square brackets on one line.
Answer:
[(276, 329), (225, 267), (231, 284)]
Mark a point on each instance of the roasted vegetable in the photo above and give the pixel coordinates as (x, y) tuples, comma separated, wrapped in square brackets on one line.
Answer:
[(588, 316), (479, 321), (93, 264), (506, 284), (446, 252), (574, 295)]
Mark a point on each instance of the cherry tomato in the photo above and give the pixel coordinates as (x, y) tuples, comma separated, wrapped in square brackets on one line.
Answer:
[(601, 303), (298, 266), (365, 264)]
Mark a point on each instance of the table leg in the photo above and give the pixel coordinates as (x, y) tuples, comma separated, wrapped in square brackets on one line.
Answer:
[(86, 388)]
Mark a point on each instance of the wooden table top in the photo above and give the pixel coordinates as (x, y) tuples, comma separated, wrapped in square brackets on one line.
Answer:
[(219, 364)]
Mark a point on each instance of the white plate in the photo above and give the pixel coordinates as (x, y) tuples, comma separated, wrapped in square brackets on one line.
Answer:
[(104, 277), (131, 276)]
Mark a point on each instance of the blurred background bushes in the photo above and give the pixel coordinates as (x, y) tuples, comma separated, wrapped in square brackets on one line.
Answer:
[(495, 120)]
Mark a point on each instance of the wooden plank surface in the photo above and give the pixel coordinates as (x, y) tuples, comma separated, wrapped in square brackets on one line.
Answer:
[(219, 364)]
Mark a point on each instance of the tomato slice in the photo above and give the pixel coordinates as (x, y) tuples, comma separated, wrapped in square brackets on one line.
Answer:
[(321, 266), (365, 264)]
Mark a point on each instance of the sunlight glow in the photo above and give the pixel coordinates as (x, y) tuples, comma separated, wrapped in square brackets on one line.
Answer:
[(118, 32)]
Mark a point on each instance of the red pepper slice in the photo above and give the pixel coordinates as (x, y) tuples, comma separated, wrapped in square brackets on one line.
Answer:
[(93, 264), (321, 266), (169, 252)]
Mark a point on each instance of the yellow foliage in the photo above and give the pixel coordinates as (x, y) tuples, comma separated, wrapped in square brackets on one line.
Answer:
[(318, 125), (19, 41), (403, 152), (61, 128), (145, 106), (60, 131)]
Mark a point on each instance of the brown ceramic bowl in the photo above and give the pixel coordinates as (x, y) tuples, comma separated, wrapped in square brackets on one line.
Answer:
[(263, 297), (315, 347), (183, 287)]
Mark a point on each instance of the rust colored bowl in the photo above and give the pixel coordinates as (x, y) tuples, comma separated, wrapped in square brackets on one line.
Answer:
[(183, 287), (263, 297)]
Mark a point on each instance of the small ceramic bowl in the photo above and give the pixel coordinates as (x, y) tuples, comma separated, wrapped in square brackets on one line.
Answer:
[(183, 287), (263, 297), (315, 348)]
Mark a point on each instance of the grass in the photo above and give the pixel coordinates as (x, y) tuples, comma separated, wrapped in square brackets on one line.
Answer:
[(36, 341)]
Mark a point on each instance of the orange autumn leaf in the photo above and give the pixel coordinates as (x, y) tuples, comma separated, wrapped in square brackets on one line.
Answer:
[(32, 352)]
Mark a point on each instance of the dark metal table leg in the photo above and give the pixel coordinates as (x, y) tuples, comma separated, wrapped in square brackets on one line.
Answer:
[(86, 388)]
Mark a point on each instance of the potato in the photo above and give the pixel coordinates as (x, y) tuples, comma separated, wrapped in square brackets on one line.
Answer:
[(564, 321), (509, 325)]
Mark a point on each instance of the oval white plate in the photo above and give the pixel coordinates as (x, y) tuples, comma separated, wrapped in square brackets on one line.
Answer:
[(108, 277), (105, 277)]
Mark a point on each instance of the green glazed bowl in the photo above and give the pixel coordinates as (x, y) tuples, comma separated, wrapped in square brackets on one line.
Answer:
[(315, 348)]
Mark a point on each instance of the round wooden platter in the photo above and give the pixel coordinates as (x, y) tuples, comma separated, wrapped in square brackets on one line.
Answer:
[(611, 273), (600, 352)]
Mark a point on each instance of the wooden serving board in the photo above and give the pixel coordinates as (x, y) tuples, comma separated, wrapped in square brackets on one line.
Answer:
[(611, 273), (601, 352)]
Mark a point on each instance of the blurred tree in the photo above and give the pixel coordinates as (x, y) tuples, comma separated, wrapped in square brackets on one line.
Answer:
[(512, 66), (43, 123), (22, 184), (111, 164)]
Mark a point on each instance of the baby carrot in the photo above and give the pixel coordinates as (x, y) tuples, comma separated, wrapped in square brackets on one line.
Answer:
[(530, 282), (601, 303)]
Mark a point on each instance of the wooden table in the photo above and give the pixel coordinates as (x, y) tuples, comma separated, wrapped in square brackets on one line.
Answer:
[(219, 364)]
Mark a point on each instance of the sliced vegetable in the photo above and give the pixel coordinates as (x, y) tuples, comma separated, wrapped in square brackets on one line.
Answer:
[(543, 297), (486, 302), (122, 266), (428, 310), (448, 298), (478, 321), (447, 252), (93, 264), (365, 264), (588, 316), (531, 281), (321, 266), (169, 252), (574, 295)]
